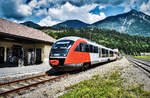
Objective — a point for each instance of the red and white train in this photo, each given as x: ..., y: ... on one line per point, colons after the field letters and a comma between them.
x: 71, y: 53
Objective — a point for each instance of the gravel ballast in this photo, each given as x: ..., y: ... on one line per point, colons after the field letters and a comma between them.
x: 55, y: 89
x: 134, y: 76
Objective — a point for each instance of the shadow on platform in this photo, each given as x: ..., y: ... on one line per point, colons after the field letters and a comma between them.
x: 3, y: 65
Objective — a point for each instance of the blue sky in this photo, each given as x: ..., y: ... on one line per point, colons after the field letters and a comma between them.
x: 109, y: 10
x: 51, y: 12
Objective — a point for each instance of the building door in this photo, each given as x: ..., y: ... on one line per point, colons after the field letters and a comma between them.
x: 38, y: 55
x: 2, y: 52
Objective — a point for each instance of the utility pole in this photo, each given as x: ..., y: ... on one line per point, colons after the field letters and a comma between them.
x: 90, y: 34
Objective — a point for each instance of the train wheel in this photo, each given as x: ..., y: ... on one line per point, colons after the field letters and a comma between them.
x: 108, y: 60
x: 85, y: 66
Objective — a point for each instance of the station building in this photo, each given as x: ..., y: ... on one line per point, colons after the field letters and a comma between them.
x: 21, y: 45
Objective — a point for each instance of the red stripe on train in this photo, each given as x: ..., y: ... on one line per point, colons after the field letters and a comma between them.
x: 76, y: 56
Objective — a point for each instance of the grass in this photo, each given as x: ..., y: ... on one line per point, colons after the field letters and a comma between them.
x: 143, y: 57
x: 105, y: 87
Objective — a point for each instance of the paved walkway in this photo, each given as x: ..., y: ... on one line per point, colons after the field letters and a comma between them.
x: 25, y: 70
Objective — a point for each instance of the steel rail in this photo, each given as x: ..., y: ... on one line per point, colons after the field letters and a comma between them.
x: 32, y: 85
x: 137, y: 63
x: 22, y: 80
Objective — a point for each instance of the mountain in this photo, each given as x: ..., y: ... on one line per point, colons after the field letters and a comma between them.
x: 31, y: 24
x: 71, y: 24
x: 133, y: 23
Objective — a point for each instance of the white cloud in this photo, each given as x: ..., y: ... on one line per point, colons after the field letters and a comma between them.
x: 41, y: 12
x: 33, y: 4
x: 25, y: 10
x: 127, y: 9
x: 102, y: 6
x: 70, y: 12
x: 94, y: 18
x: 145, y: 7
x: 16, y: 9
x: 58, y: 3
x: 17, y: 21
x: 47, y: 21
x: 43, y: 3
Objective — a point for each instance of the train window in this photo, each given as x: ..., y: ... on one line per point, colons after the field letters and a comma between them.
x: 116, y: 53
x: 65, y: 44
x: 107, y: 53
x: 111, y: 53
x: 103, y: 52
x: 78, y: 48
x: 95, y: 49
x: 82, y: 47
x: 91, y: 48
x: 87, y: 48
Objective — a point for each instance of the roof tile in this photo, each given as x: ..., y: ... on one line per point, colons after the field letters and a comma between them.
x: 23, y: 31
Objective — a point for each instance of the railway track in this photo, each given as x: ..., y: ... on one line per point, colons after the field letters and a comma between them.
x: 146, y: 60
x: 20, y: 86
x: 143, y: 64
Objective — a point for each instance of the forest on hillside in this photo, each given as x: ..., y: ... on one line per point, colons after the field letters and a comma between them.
x: 129, y: 45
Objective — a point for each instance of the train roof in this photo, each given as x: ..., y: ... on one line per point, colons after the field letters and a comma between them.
x: 74, y: 38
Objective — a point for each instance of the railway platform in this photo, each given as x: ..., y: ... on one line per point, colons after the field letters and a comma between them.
x: 8, y: 74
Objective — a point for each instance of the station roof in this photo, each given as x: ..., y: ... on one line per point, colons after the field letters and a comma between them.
x: 18, y: 30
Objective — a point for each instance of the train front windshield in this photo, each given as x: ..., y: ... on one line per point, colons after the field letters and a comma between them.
x: 61, y: 48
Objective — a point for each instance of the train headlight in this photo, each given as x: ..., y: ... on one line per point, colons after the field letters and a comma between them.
x: 65, y: 54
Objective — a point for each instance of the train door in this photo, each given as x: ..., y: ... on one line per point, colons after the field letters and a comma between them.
x: 38, y: 55
x: 2, y: 54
